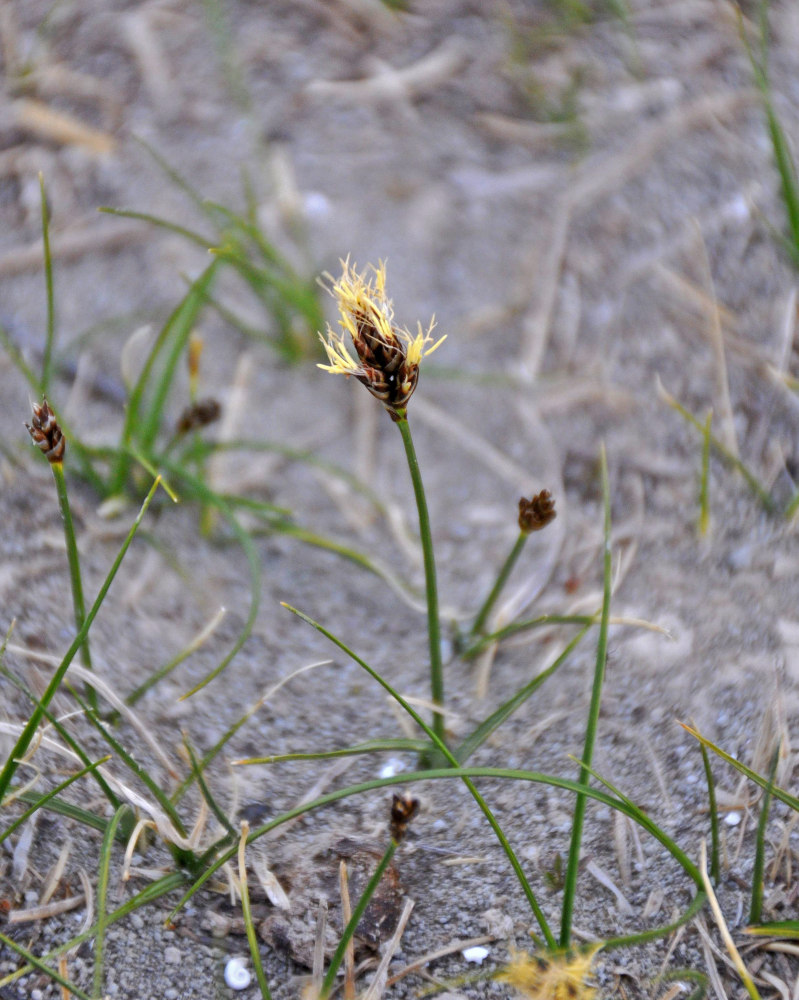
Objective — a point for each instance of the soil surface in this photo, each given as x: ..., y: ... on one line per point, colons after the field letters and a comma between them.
x: 591, y: 209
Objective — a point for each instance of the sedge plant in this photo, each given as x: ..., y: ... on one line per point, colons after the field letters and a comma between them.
x: 387, y: 363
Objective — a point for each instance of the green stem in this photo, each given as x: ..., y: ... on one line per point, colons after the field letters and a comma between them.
x: 47, y: 359
x: 355, y: 919
x: 570, y: 887
x: 78, y: 602
x: 496, y: 590
x: 431, y: 590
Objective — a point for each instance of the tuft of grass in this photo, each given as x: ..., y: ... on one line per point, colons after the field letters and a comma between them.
x: 288, y: 298
x: 758, y: 54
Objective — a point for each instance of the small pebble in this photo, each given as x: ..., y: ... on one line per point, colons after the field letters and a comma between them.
x: 732, y: 818
x: 172, y: 955
x: 237, y: 975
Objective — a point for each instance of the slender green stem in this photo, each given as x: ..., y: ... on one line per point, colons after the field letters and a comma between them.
x: 756, y: 906
x: 246, y: 911
x: 570, y: 887
x: 715, y: 868
x: 27, y: 734
x: 355, y: 919
x: 704, y: 481
x: 78, y: 603
x: 102, y: 901
x: 499, y: 583
x: 431, y: 589
x: 47, y: 359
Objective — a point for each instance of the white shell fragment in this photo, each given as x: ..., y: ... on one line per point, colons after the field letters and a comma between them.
x: 476, y: 955
x: 237, y: 975
x: 733, y: 818
x: 391, y: 767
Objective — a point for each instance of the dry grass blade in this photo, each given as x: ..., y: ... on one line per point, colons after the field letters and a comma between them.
x: 718, y: 916
x: 38, y: 119
x: 346, y: 916
x: 46, y: 911
x: 432, y: 956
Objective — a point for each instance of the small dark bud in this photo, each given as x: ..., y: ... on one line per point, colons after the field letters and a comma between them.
x: 46, y: 433
x: 403, y: 809
x: 536, y: 513
x: 199, y: 414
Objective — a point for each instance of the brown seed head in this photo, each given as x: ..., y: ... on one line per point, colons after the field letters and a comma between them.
x: 46, y: 433
x: 199, y: 414
x: 536, y: 513
x: 403, y: 808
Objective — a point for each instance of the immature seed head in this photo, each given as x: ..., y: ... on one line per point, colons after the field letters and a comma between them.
x: 46, y: 433
x: 537, y: 512
x: 388, y: 356
x: 199, y: 414
x: 403, y: 808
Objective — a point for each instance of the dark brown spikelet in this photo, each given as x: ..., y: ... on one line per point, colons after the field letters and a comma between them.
x: 199, y: 414
x: 403, y: 808
x: 536, y: 513
x: 46, y: 433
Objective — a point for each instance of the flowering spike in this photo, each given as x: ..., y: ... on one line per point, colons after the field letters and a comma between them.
x: 536, y: 513
x: 551, y: 975
x: 46, y: 433
x: 403, y: 808
x: 388, y: 356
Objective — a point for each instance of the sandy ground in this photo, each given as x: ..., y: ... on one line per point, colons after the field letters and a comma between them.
x: 586, y: 211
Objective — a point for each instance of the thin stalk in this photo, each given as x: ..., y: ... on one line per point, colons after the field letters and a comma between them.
x: 246, y: 911
x: 355, y: 919
x: 78, y: 602
x: 704, y: 481
x: 570, y: 887
x: 102, y: 901
x: 431, y: 589
x: 24, y: 740
x: 715, y: 868
x: 499, y: 583
x: 756, y: 906
x: 523, y: 626
x: 47, y: 358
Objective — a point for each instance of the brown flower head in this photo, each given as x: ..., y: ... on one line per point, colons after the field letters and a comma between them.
x: 536, y: 513
x: 403, y: 808
x: 46, y: 433
x: 388, y: 356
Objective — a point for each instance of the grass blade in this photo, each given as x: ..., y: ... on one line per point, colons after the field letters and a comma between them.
x: 715, y: 867
x: 42, y: 800
x: 102, y: 899
x: 570, y: 886
x: 24, y: 740
x: 775, y: 790
x: 756, y: 907
x: 249, y: 926
x: 49, y: 340
x: 623, y: 805
x: 484, y: 730
x: 38, y: 963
